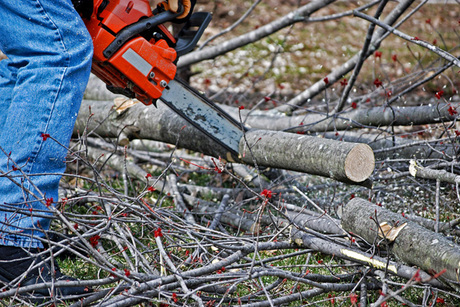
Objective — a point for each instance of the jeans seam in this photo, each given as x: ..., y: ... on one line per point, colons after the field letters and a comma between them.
x: 56, y: 30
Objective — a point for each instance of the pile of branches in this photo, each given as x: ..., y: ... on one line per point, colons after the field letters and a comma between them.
x: 140, y: 227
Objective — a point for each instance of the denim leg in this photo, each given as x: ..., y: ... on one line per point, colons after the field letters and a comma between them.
x: 7, y: 82
x: 42, y: 83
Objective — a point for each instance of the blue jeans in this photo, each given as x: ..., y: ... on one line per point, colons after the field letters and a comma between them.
x: 42, y: 82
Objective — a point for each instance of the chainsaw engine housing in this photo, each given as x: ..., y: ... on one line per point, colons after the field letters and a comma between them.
x: 133, y: 51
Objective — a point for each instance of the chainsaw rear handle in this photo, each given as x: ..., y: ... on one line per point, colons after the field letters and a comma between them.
x: 135, y: 29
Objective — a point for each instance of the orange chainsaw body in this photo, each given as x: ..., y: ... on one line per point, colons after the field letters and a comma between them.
x: 141, y: 66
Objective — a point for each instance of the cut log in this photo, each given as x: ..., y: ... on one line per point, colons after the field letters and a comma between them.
x: 384, y: 146
x: 317, y: 122
x: 339, y: 160
x: 348, y: 162
x: 414, y: 244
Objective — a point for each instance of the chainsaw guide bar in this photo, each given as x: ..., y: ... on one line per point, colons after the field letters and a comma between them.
x: 205, y: 115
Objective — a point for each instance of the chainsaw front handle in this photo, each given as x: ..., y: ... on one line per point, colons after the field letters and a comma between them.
x: 135, y: 29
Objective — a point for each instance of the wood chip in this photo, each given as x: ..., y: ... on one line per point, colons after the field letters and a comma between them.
x: 389, y: 232
x: 123, y: 103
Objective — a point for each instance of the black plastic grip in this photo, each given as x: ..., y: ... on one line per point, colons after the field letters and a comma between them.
x: 136, y: 28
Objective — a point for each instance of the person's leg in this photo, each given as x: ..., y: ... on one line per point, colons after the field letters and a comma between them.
x: 7, y: 82
x: 49, y: 59
x: 41, y: 86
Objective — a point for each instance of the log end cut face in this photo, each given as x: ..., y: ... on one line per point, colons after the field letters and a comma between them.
x: 359, y: 163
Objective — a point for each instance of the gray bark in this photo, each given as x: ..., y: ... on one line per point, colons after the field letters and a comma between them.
x: 415, y: 245
x: 353, y: 254
x: 444, y: 227
x: 361, y: 117
x: 427, y: 173
x: 387, y: 147
x: 384, y: 147
x: 340, y: 160
x: 97, y: 90
x: 144, y: 122
x: 228, y: 217
x: 317, y: 222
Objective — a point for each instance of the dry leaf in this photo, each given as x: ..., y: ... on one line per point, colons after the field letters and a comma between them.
x: 390, y: 232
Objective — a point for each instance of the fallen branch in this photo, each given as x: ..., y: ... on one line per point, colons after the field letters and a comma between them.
x: 443, y: 54
x: 359, y: 118
x: 200, y: 206
x: 339, y: 160
x: 434, y: 174
x: 306, y: 240
x: 414, y: 244
x: 232, y: 44
x: 385, y: 147
x: 341, y: 71
x: 445, y: 227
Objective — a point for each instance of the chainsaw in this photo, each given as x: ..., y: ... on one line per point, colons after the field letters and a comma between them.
x: 136, y: 56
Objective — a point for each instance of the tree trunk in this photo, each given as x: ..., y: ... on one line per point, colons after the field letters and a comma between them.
x: 144, y: 122
x: 384, y: 147
x: 388, y: 147
x: 339, y: 160
x: 414, y: 245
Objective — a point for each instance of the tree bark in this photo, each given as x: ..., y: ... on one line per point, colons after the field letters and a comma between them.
x: 317, y: 222
x: 339, y: 160
x: 97, y: 90
x: 427, y: 173
x: 144, y: 122
x: 359, y: 118
x: 399, y: 148
x: 414, y: 245
x: 329, y: 247
x: 228, y: 217
x: 384, y: 147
